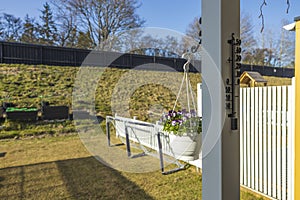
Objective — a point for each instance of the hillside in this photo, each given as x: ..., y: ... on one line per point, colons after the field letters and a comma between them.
x: 28, y: 85
x: 146, y: 93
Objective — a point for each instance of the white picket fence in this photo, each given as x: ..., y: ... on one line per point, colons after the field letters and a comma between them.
x: 267, y: 140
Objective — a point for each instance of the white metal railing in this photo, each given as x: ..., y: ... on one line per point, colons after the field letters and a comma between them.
x: 145, y: 135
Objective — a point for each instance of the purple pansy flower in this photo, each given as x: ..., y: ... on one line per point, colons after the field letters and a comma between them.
x: 188, y: 115
x: 179, y: 121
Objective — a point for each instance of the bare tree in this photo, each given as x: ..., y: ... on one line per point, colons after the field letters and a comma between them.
x: 11, y: 28
x: 286, y: 47
x: 193, y: 36
x: 1, y: 28
x: 130, y: 41
x: 103, y: 18
x: 173, y: 46
x: 67, y: 24
x: 249, y: 44
x: 168, y: 46
x: 193, y: 29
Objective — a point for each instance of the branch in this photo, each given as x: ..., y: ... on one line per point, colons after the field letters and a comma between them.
x: 264, y: 3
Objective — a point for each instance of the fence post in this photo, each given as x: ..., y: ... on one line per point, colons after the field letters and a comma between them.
x: 297, y: 110
x: 1, y: 52
x: 41, y: 55
x: 291, y: 139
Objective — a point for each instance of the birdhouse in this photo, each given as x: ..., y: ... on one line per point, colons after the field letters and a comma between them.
x: 252, y: 79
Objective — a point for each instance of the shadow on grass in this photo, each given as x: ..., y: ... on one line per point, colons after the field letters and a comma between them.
x: 83, y: 178
x: 2, y: 154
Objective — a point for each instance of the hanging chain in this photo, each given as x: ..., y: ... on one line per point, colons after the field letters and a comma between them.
x: 185, y: 79
x: 195, y: 48
x: 288, y: 6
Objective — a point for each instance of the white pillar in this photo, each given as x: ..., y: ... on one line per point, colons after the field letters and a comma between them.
x: 220, y: 149
x: 199, y: 99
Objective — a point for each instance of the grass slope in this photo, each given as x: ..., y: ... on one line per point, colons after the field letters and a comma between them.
x: 141, y: 91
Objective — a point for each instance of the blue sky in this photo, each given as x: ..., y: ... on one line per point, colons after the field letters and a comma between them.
x: 177, y: 14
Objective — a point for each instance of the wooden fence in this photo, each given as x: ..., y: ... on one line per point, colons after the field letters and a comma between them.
x: 13, y: 52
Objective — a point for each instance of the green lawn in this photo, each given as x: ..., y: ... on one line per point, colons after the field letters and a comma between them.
x: 46, y: 160
x: 61, y: 168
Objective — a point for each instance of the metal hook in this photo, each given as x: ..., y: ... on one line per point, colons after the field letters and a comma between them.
x: 186, y: 56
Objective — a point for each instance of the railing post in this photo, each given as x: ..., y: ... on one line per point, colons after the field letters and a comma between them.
x: 127, y: 141
x: 108, y: 130
x: 160, y: 152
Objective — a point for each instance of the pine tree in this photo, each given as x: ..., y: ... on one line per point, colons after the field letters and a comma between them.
x: 30, y: 31
x: 47, y: 30
x: 84, y: 40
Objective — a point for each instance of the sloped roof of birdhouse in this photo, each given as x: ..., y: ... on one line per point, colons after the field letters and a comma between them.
x: 253, y: 76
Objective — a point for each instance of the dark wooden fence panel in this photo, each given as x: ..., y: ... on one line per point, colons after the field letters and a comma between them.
x: 61, y: 56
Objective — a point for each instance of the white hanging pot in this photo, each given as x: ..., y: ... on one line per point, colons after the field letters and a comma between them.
x: 186, y: 147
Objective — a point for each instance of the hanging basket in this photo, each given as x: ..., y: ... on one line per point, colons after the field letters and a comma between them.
x: 186, y: 147
x: 183, y: 128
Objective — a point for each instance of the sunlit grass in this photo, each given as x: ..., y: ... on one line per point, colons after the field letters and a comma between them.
x: 61, y: 167
x: 58, y: 166
x: 276, y: 81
